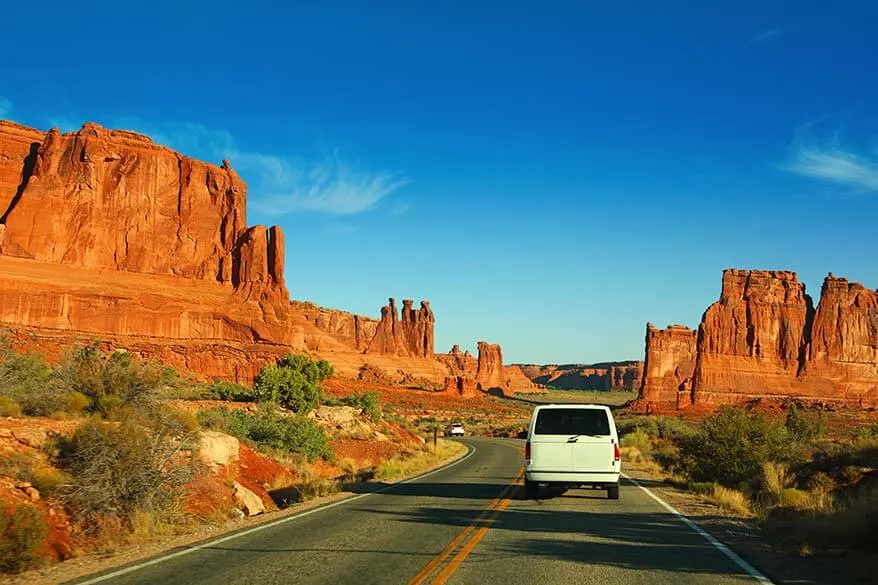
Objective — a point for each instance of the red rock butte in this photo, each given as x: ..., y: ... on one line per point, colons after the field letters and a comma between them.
x: 764, y: 339
x: 107, y: 236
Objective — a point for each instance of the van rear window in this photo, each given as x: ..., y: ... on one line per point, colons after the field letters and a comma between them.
x: 572, y: 421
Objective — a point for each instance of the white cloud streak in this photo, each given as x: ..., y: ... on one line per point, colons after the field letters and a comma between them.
x: 280, y: 185
x: 6, y: 107
x: 836, y: 165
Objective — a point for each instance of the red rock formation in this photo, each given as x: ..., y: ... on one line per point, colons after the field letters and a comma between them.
x: 356, y: 331
x: 489, y: 370
x: 413, y: 336
x: 113, y: 199
x: 669, y: 365
x: 843, y: 349
x: 752, y: 339
x: 105, y: 235
x: 763, y: 339
x: 462, y: 386
x: 460, y: 363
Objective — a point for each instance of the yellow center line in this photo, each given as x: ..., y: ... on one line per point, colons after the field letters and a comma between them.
x: 488, y: 515
x: 461, y: 556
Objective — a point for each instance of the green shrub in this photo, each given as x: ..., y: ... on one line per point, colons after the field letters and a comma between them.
x: 796, y: 424
x: 369, y: 403
x: 122, y: 468
x: 272, y: 430
x: 220, y: 390
x: 294, y: 382
x: 9, y: 407
x: 116, y: 382
x: 23, y: 532
x: 30, y: 381
x: 731, y: 447
x: 639, y: 440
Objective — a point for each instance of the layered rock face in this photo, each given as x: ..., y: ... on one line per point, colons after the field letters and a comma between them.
x: 753, y: 338
x: 489, y: 368
x: 106, y: 236
x: 113, y: 200
x: 764, y: 339
x: 669, y: 365
x: 356, y: 331
x: 601, y: 376
x: 411, y: 336
x: 843, y: 348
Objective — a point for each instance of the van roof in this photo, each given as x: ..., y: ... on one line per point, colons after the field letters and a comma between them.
x: 574, y: 405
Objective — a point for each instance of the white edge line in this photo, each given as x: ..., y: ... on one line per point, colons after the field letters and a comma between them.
x: 161, y: 559
x: 750, y: 569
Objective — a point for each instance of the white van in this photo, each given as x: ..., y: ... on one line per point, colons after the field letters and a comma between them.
x: 572, y: 445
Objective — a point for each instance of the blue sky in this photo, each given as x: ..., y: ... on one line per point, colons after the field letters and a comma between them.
x: 550, y: 175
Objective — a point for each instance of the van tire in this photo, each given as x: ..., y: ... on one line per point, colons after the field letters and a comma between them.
x: 613, y: 492
x: 531, y: 490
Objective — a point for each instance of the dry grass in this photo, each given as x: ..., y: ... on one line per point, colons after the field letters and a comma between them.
x: 776, y: 478
x: 731, y: 500
x: 417, y: 460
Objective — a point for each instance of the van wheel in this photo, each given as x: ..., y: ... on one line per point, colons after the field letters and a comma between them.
x: 531, y: 490
x: 613, y: 492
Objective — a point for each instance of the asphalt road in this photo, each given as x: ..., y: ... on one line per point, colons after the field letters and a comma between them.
x: 465, y: 524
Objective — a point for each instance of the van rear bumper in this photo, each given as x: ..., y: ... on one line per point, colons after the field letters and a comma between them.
x: 572, y: 477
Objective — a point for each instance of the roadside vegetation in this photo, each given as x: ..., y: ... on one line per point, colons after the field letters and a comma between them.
x: 124, y: 470
x: 810, y: 492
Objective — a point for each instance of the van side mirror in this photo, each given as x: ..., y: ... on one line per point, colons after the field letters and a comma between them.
x: 522, y: 435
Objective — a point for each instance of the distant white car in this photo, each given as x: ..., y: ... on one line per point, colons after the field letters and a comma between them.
x: 454, y: 430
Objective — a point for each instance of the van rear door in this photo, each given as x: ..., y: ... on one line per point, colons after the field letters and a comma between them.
x: 573, y: 439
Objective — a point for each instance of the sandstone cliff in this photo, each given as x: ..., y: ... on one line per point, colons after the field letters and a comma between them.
x: 105, y: 235
x: 764, y: 339
x: 489, y: 369
x: 669, y: 365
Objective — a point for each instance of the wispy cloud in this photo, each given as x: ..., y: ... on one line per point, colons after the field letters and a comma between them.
x: 330, y: 185
x: 278, y: 184
x: 6, y: 107
x: 766, y: 35
x: 835, y: 164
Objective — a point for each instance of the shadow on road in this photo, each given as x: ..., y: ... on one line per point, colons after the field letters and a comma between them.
x: 644, y: 541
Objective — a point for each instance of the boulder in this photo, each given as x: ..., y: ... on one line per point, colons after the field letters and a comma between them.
x: 218, y: 449
x: 249, y: 503
x: 32, y: 437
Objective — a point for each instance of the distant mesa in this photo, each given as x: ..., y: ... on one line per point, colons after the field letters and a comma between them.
x: 764, y: 340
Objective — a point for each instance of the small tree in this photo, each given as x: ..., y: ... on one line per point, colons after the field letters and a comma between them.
x: 294, y: 382
x: 796, y: 425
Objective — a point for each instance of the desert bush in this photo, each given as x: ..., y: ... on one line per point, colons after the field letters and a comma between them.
x: 732, y: 446
x: 294, y: 382
x: 114, y: 383
x: 638, y: 439
x: 49, y: 480
x: 220, y: 390
x: 702, y: 487
x: 9, y: 407
x: 730, y: 499
x: 23, y: 532
x: 368, y: 403
x: 657, y: 427
x: 31, y: 382
x: 271, y: 429
x: 775, y: 479
x: 121, y: 468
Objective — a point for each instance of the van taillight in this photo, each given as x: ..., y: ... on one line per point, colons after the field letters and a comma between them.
x: 527, y: 450
x: 617, y: 453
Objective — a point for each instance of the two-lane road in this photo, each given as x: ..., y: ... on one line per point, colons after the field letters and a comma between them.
x: 464, y: 524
